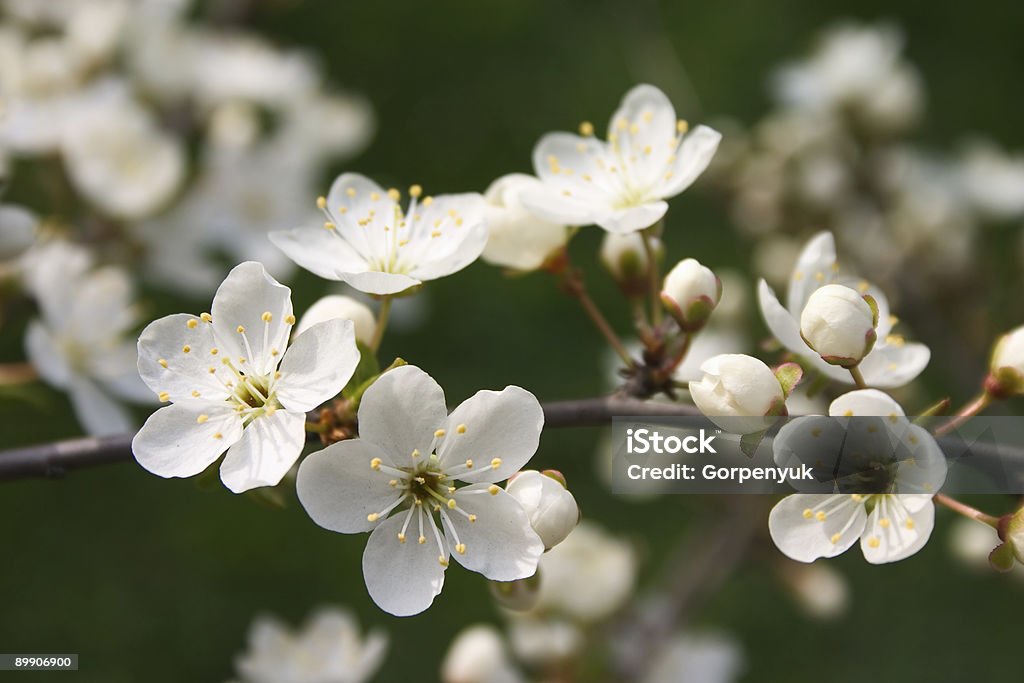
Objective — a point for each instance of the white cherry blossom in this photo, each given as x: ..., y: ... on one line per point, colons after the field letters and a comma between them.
x: 370, y: 243
x: 518, y: 239
x: 622, y: 184
x: 236, y: 384
x: 892, y: 361
x: 892, y: 524
x: 400, y: 481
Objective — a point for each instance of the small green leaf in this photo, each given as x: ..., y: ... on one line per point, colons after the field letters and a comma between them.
x: 750, y: 442
x: 789, y: 375
x: 1002, y: 558
x: 367, y: 369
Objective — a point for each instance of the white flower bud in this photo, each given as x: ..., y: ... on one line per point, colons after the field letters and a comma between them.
x: 839, y: 324
x: 1007, y: 366
x: 626, y: 260
x: 517, y: 239
x: 344, y: 307
x: 551, y: 508
x: 739, y: 393
x: 690, y: 292
x: 477, y: 655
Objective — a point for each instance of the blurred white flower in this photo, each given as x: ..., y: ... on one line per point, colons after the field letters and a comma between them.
x: 551, y: 508
x: 739, y: 393
x: 518, y: 239
x: 327, y: 649
x: 118, y: 157
x: 707, y: 658
x: 343, y: 308
x: 819, y: 590
x: 994, y: 180
x: 620, y: 184
x: 588, y: 576
x: 372, y: 245
x: 891, y: 526
x: 544, y: 640
x: 478, y: 655
x: 18, y: 228
x: 892, y: 361
x: 408, y: 459
x: 326, y: 127
x: 856, y: 68
x: 236, y: 384
x: 80, y: 343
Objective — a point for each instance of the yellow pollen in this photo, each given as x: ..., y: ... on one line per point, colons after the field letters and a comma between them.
x: 372, y: 517
x: 461, y: 429
x: 472, y: 518
x: 451, y: 503
x: 439, y: 433
x: 202, y: 418
x: 461, y: 549
x: 374, y: 196
x: 218, y: 435
x: 469, y: 464
x: 289, y: 319
x: 493, y: 489
x: 682, y: 126
x: 621, y: 124
x: 211, y: 370
x: 186, y: 348
x: 321, y: 203
x: 808, y: 513
x: 393, y: 194
x: 375, y: 464
x: 848, y: 413
x: 874, y: 542
x: 351, y: 192
x: 443, y: 562
x: 401, y: 537
x: 162, y: 362
x: 634, y: 129
x: 884, y: 523
x: 214, y: 351
x: 192, y: 324
x: 266, y: 317
x: 835, y: 538
x: 496, y: 463
x: 586, y: 129
x: 164, y: 396
x: 820, y: 516
x: 435, y: 233
x: 393, y: 482
x: 342, y: 209
x: 857, y: 498
x: 421, y: 540
x: 415, y: 191
x: 206, y: 317
x: 647, y: 149
x: 909, y: 524
x: 427, y: 201
x: 195, y: 394
x: 330, y: 226
x: 647, y: 116
x: 240, y: 329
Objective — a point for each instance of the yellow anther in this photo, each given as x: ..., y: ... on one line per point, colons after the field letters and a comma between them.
x: 415, y: 191
x: 808, y: 513
x: 496, y: 463
x: 586, y: 129
x: 874, y: 542
x: 206, y: 317
x: 435, y: 233
x: 202, y: 418
x: 835, y: 538
x: 375, y: 464
x: 342, y: 209
x: 621, y: 124
x: 402, y: 243
x: 441, y: 559
x: 321, y: 203
x: 427, y: 201
x: 820, y: 515
x: 848, y: 413
x: 567, y: 193
x: 884, y: 523
x: 863, y: 286
x: 909, y: 524
x: 218, y: 435
x: 195, y: 394
x: 330, y: 226
x: 451, y: 503
x: 472, y: 518
x: 211, y: 370
x: 451, y: 489
x: 439, y: 433
x: 493, y: 489
x: 214, y: 351
x: 374, y: 196
x: 394, y: 194
x: 469, y: 463
x: 240, y: 329
x: 421, y: 540
x: 461, y: 548
x: 682, y: 126
x: 164, y: 396
x: 372, y: 517
x: 857, y: 498
x: 162, y: 362
x: 461, y: 429
x: 401, y: 537
x: 351, y: 192
x: 192, y: 323
x: 186, y: 348
x: 267, y: 316
x: 647, y: 149
x: 634, y: 129
x: 647, y: 116
x: 415, y: 452
x: 289, y: 319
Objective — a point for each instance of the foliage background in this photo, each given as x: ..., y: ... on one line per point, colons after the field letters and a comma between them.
x: 158, y: 580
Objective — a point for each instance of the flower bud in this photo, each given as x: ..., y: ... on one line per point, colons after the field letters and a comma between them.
x: 626, y: 260
x: 1007, y: 367
x: 477, y: 655
x: 839, y: 324
x: 517, y: 239
x: 738, y: 393
x: 344, y: 307
x: 690, y: 292
x: 551, y: 508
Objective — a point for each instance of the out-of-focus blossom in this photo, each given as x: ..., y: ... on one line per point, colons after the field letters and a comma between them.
x: 819, y: 590
x: 478, y: 655
x: 518, y: 239
x: 708, y: 658
x: 18, y: 228
x: 994, y: 180
x: 544, y: 641
x: 327, y: 649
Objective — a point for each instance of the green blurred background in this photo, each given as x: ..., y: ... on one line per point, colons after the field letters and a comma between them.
x: 156, y: 580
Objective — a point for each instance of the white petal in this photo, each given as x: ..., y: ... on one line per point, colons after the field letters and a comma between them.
x: 865, y: 402
x: 889, y: 365
x: 502, y: 424
x: 548, y: 203
x: 17, y: 231
x: 267, y: 450
x: 804, y: 537
x: 344, y: 307
x: 318, y: 250
x: 373, y: 282
x: 317, y: 365
x: 173, y: 443
x: 242, y: 299
x: 187, y: 371
x: 97, y: 412
x: 450, y: 234
x: 45, y: 356
x: 401, y: 411
x: 644, y: 128
x: 402, y: 578
x: 694, y: 155
x: 338, y: 488
x: 622, y: 221
x: 516, y: 237
x: 117, y: 369
x: 818, y: 258
x: 500, y: 544
x: 893, y: 532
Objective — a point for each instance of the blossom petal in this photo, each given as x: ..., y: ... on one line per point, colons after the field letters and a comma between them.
x: 242, y: 301
x: 801, y: 533
x: 374, y: 282
x: 622, y: 221
x: 450, y: 234
x: 318, y: 365
x: 503, y: 425
x: 865, y: 402
x: 785, y: 328
x: 402, y: 578
x: 815, y: 267
x: 320, y: 251
x: 338, y: 488
x: 269, y: 447
x: 45, y: 356
x: 644, y: 127
x: 693, y: 157
x: 174, y: 443
x: 500, y: 543
x: 98, y: 412
x: 360, y: 208
x: 401, y: 411
x: 891, y: 365
x: 176, y: 354
x: 897, y: 528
